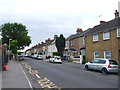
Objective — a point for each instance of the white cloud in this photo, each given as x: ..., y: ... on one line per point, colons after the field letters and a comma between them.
x: 44, y: 18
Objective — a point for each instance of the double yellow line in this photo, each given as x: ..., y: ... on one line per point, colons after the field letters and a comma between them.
x: 44, y: 83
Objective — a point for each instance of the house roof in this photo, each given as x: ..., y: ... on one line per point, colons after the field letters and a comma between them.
x: 105, y: 27
x: 48, y: 42
x: 69, y: 38
x: 80, y: 34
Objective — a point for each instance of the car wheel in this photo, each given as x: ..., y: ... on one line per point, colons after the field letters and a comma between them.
x: 86, y: 67
x: 104, y: 71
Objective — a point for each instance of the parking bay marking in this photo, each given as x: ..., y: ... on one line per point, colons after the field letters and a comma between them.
x: 37, y: 75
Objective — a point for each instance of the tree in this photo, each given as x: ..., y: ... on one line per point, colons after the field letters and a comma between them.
x: 60, y: 44
x: 17, y: 32
x: 14, y: 47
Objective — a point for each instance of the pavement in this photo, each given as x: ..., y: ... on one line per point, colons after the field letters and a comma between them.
x: 15, y: 77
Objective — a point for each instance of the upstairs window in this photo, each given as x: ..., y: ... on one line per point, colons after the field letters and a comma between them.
x: 83, y: 40
x: 106, y: 35
x: 95, y: 37
x: 118, y: 32
x: 72, y: 43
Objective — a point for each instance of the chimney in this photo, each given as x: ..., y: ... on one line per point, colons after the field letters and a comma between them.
x: 102, y: 22
x: 116, y: 14
x: 55, y: 36
x: 48, y: 39
x: 79, y: 30
x: 42, y: 42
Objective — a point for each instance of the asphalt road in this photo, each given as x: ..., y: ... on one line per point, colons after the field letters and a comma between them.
x: 66, y: 75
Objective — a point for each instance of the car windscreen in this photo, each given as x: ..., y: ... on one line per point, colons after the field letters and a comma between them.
x: 112, y: 62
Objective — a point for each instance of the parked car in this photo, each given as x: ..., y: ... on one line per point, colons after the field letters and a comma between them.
x: 20, y: 57
x: 40, y: 57
x: 103, y: 65
x: 34, y: 56
x: 55, y: 59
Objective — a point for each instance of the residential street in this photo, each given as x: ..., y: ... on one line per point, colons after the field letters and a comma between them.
x: 43, y: 74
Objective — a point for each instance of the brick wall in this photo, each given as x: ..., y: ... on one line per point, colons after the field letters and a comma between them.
x: 102, y: 45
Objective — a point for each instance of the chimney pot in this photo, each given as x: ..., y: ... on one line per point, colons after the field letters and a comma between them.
x: 79, y: 30
x: 102, y: 22
x: 116, y: 14
x: 55, y: 36
x: 48, y: 39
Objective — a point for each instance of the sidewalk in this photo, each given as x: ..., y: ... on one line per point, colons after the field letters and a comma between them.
x: 14, y: 77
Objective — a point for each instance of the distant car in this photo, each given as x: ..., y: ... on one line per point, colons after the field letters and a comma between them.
x: 55, y: 59
x: 40, y: 57
x: 34, y: 56
x: 20, y: 57
x: 103, y: 65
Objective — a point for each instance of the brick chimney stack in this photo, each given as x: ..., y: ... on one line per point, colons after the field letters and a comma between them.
x: 42, y: 42
x: 49, y: 39
x: 55, y: 36
x: 116, y: 14
x: 79, y: 30
x: 102, y: 22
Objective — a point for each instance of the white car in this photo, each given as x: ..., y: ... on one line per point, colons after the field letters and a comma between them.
x: 55, y: 59
x: 103, y: 65
x: 40, y: 57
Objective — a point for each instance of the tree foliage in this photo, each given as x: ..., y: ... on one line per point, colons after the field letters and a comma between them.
x: 60, y: 44
x: 13, y: 46
x: 17, y: 32
x: 56, y: 54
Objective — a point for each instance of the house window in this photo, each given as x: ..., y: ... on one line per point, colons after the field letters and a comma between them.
x: 118, y: 32
x: 83, y: 40
x: 96, y: 54
x: 107, y: 54
x: 106, y: 35
x: 72, y: 43
x: 95, y: 37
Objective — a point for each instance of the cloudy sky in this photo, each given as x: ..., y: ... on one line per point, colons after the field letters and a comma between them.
x: 45, y: 18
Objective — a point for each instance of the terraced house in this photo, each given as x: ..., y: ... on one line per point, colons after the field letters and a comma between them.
x: 103, y: 40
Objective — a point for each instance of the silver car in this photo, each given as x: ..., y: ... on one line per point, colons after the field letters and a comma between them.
x: 104, y: 65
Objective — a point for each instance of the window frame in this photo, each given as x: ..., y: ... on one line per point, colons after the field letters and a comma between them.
x: 104, y: 37
x: 95, y: 54
x: 105, y: 54
x: 83, y: 39
x: 118, y: 32
x: 95, y: 37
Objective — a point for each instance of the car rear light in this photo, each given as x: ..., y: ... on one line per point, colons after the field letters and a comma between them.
x: 54, y: 58
x: 109, y: 66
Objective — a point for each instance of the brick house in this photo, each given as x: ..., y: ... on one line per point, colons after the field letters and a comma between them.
x: 103, y: 40
x: 76, y: 45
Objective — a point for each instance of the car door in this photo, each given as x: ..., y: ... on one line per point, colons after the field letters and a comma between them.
x: 93, y: 64
x: 101, y: 64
